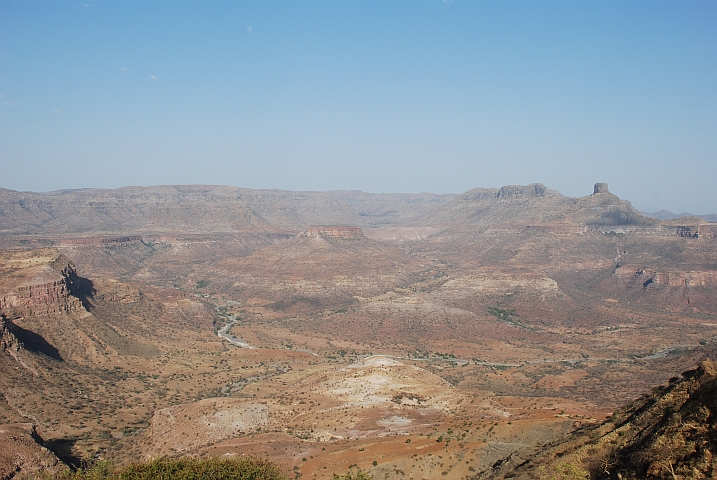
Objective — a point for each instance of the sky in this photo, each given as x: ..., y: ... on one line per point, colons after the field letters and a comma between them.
x: 380, y: 96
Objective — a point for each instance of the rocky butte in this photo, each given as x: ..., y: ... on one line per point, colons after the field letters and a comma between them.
x: 45, y: 289
x: 600, y: 188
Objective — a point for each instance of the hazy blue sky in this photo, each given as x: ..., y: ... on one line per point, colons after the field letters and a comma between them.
x: 390, y: 96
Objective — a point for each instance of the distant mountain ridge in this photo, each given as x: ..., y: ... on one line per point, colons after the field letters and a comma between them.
x: 668, y: 215
x: 223, y: 209
x: 202, y: 208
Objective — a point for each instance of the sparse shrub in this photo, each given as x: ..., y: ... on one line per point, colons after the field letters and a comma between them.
x: 359, y: 474
x: 502, y: 314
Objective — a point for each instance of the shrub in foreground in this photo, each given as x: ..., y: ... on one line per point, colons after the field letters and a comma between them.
x: 244, y: 468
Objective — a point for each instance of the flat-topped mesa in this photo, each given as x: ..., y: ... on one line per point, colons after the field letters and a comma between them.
x: 343, y: 232
x: 600, y: 188
x: 47, y: 292
x: 532, y: 190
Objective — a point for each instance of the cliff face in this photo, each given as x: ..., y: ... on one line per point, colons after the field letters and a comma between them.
x: 42, y: 287
x: 42, y: 299
x: 7, y: 339
x: 649, y: 278
x: 532, y: 190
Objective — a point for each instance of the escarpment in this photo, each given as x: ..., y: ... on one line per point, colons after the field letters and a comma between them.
x: 39, y: 285
x: 651, y: 278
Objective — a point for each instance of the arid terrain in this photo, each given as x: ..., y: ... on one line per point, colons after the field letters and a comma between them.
x: 411, y: 335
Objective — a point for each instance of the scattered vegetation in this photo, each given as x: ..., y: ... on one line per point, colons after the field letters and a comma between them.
x: 502, y: 314
x: 245, y: 468
x: 352, y: 474
x: 203, y: 283
x: 399, y: 396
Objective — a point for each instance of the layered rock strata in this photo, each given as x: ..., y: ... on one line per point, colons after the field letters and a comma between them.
x: 649, y: 277
x: 48, y: 290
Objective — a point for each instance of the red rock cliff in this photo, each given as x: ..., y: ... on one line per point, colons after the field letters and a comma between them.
x: 673, y: 279
x: 43, y: 290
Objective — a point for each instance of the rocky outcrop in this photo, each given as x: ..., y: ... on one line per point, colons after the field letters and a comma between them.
x: 343, y: 232
x: 47, y: 291
x: 702, y: 230
x: 7, y: 339
x: 651, y: 278
x: 600, y: 188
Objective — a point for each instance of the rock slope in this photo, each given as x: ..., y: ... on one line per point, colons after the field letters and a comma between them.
x: 669, y: 433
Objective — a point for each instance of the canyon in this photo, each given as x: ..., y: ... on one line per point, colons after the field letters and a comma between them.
x: 410, y: 335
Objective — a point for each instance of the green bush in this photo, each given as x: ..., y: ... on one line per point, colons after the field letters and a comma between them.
x: 244, y: 468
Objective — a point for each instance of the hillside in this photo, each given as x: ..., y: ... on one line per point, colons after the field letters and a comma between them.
x: 423, y: 336
x: 201, y: 208
x: 669, y: 433
x: 516, y: 205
